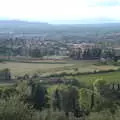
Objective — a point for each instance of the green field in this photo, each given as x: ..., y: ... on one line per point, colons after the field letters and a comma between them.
x: 46, y: 67
x: 53, y: 66
x: 23, y: 68
x: 111, y: 77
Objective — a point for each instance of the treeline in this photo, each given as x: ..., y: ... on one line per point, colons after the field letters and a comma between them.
x: 62, y: 74
x: 95, y: 53
x: 24, y: 51
x: 32, y: 47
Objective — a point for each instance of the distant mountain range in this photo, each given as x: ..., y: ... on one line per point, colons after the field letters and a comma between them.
x: 25, y: 26
x: 59, y: 22
x: 87, y: 21
x: 17, y: 26
x: 20, y: 22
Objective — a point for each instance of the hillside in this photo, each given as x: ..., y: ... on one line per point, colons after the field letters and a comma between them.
x: 74, y: 32
x: 21, y: 26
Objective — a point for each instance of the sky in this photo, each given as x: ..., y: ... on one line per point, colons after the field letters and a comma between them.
x: 60, y: 10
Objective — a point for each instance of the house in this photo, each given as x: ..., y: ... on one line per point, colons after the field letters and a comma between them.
x: 81, y: 48
x: 117, y: 52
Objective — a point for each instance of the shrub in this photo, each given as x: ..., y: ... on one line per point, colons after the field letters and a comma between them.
x: 14, y: 109
x: 50, y: 115
x: 85, y: 98
x: 104, y: 115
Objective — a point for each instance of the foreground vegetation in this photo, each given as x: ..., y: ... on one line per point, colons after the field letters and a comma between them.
x: 28, y: 100
x: 83, y: 90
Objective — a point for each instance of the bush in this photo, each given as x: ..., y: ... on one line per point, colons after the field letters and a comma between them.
x: 14, y: 109
x: 85, y: 98
x: 104, y: 115
x: 9, y: 91
x: 50, y: 115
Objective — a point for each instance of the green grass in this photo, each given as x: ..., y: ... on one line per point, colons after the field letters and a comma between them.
x: 54, y: 66
x: 23, y: 68
x: 46, y: 67
x: 111, y: 77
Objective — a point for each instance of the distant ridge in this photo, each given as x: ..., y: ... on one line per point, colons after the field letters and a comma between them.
x: 19, y: 22
x: 87, y: 21
x: 61, y: 22
x: 19, y: 26
x: 22, y: 26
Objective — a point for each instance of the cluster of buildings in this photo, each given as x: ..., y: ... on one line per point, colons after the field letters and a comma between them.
x: 82, y: 48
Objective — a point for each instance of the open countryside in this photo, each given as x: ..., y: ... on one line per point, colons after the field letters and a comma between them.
x: 60, y: 72
x: 51, y: 66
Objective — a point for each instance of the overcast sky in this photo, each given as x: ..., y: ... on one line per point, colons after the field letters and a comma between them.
x: 51, y: 10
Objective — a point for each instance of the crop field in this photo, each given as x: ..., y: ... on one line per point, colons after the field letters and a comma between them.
x: 22, y: 68
x: 53, y: 66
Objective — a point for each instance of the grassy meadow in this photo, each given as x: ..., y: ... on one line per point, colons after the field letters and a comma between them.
x: 111, y: 77
x: 19, y: 68
x: 53, y: 66
x: 47, y: 67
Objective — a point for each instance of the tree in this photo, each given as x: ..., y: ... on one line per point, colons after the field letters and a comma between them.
x: 115, y: 59
x: 39, y: 96
x: 70, y: 97
x: 36, y: 53
x: 106, y: 91
x: 85, y: 98
x: 100, y: 86
x: 108, y: 53
x: 57, y: 100
x: 89, y: 99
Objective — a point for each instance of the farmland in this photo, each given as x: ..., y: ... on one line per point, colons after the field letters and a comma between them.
x: 20, y: 68
x: 111, y: 77
x: 51, y: 66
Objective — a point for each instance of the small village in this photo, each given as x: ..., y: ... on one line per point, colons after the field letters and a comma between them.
x: 40, y: 48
